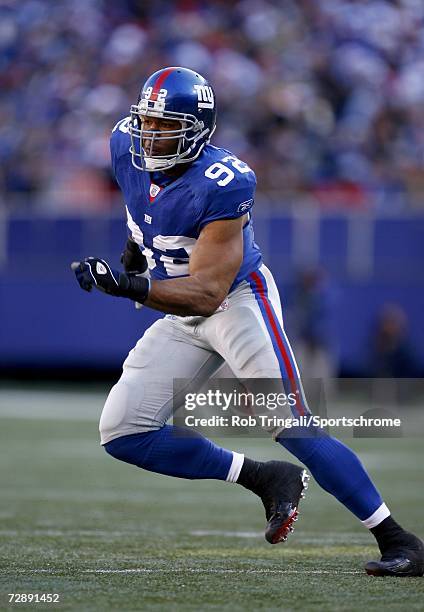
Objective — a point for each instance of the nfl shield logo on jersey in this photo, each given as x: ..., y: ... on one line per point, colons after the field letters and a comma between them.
x: 154, y: 190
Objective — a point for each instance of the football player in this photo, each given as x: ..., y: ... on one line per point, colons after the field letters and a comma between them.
x: 191, y: 254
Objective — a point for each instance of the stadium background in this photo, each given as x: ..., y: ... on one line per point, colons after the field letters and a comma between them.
x: 324, y: 99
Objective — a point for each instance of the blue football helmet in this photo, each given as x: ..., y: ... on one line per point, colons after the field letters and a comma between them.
x: 176, y: 94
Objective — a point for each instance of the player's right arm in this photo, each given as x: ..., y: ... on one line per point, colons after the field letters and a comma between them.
x: 214, y: 263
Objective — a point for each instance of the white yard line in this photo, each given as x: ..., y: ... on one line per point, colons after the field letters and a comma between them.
x: 353, y: 539
x: 335, y: 539
x: 72, y: 533
x: 227, y: 534
x: 192, y: 570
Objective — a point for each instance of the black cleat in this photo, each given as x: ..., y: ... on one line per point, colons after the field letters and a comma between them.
x: 280, y: 485
x: 404, y: 559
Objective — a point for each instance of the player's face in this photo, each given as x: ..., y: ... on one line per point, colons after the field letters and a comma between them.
x: 163, y: 141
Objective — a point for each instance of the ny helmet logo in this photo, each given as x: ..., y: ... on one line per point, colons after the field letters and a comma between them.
x: 205, y: 96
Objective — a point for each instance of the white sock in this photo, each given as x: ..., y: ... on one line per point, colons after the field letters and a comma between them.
x: 235, y: 467
x: 377, y: 517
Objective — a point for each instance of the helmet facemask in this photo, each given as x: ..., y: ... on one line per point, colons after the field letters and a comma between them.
x: 143, y: 140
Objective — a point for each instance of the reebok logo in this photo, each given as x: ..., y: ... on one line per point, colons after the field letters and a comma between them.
x: 100, y: 268
x: 245, y: 206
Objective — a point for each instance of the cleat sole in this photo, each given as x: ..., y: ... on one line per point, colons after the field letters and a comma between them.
x: 282, y: 533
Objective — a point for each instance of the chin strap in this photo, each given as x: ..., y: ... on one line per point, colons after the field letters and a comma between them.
x: 153, y: 164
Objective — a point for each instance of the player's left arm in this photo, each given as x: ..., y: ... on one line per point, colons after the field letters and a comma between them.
x: 214, y: 263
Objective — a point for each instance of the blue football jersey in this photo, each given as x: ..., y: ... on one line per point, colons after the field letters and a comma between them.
x: 165, y: 216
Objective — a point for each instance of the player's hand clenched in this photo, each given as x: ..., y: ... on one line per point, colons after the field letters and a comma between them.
x: 133, y: 259
x: 95, y: 272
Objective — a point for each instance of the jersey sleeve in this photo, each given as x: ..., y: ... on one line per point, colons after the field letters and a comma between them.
x: 119, y: 143
x: 113, y: 143
x: 229, y: 202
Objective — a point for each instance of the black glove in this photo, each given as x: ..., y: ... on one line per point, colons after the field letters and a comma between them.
x: 95, y: 272
x: 132, y: 258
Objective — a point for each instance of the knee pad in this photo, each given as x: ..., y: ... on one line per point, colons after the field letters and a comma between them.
x: 116, y: 411
x: 138, y: 403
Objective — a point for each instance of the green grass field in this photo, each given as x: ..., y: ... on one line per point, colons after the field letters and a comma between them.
x: 108, y: 536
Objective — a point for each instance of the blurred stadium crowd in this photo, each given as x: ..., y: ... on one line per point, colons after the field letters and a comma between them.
x: 323, y: 98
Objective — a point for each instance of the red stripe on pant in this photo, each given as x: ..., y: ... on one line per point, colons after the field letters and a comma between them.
x: 275, y: 328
